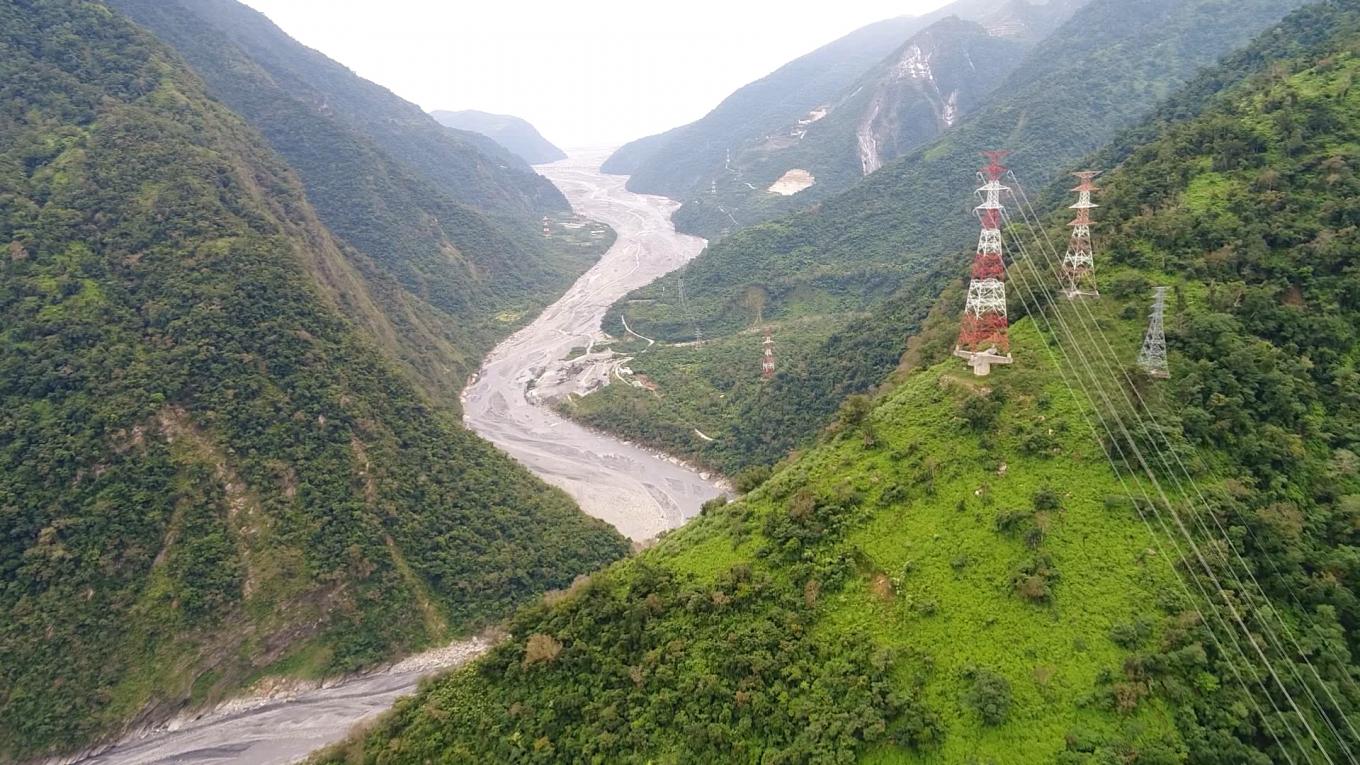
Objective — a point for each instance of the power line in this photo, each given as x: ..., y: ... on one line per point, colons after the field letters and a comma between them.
x: 1264, y: 602
x: 1117, y: 445
x: 1049, y: 254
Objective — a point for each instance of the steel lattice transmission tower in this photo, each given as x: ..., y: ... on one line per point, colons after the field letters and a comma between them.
x: 983, y: 339
x: 1079, y: 264
x: 767, y: 363
x: 1153, y: 356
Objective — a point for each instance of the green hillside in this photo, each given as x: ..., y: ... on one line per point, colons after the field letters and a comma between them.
x: 514, y: 134
x: 207, y: 473
x: 837, y: 113
x: 956, y: 574
x: 887, y: 246
x: 454, y: 279
x: 469, y: 167
x: 678, y: 162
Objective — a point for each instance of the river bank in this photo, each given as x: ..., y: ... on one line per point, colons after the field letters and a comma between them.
x: 641, y: 492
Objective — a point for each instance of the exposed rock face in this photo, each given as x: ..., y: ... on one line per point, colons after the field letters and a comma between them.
x: 937, y: 76
x: 792, y: 182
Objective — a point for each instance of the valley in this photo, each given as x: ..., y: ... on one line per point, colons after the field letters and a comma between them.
x: 339, y: 429
x: 640, y: 492
x: 633, y: 488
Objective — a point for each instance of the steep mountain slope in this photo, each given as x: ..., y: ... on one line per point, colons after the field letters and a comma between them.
x: 866, y: 264
x: 514, y: 134
x: 468, y: 167
x: 781, y: 144
x: 207, y: 474
x: 628, y: 158
x: 457, y: 279
x: 956, y: 573
x: 923, y: 89
x: 679, y: 161
x: 919, y: 91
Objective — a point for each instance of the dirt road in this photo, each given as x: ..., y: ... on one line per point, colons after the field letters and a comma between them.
x: 640, y: 492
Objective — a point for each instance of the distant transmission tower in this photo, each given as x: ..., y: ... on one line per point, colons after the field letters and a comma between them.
x: 767, y: 363
x: 983, y: 339
x: 1153, y: 356
x: 1079, y: 265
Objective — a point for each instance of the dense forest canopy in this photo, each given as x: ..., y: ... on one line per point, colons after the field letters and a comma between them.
x: 207, y: 472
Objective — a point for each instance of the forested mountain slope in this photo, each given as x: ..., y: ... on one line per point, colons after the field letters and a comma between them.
x: 514, y: 134
x: 208, y: 474
x: 677, y: 162
x: 843, y: 283
x: 866, y: 104
x: 467, y: 166
x: 924, y: 88
x: 455, y: 279
x: 956, y: 573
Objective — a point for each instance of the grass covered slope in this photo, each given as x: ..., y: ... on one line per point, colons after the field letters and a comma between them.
x: 929, y: 585
x: 889, y: 245
x: 207, y: 474
x: 956, y: 574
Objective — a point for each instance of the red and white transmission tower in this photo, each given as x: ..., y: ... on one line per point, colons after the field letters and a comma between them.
x: 767, y: 364
x: 1079, y: 264
x: 983, y: 339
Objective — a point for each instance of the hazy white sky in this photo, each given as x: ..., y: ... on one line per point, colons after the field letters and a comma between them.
x: 586, y: 73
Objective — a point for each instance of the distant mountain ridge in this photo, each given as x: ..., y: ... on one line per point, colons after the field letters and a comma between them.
x: 517, y: 135
x: 676, y: 162
x: 922, y: 89
x: 470, y: 167
x: 846, y: 282
x: 447, y: 221
x: 897, y: 85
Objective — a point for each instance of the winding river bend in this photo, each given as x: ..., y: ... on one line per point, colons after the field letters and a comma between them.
x: 640, y: 492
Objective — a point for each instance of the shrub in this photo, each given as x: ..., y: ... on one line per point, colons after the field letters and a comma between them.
x: 1034, y: 580
x: 541, y: 649
x: 1130, y: 634
x: 748, y: 479
x: 1046, y: 499
x: 989, y: 694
